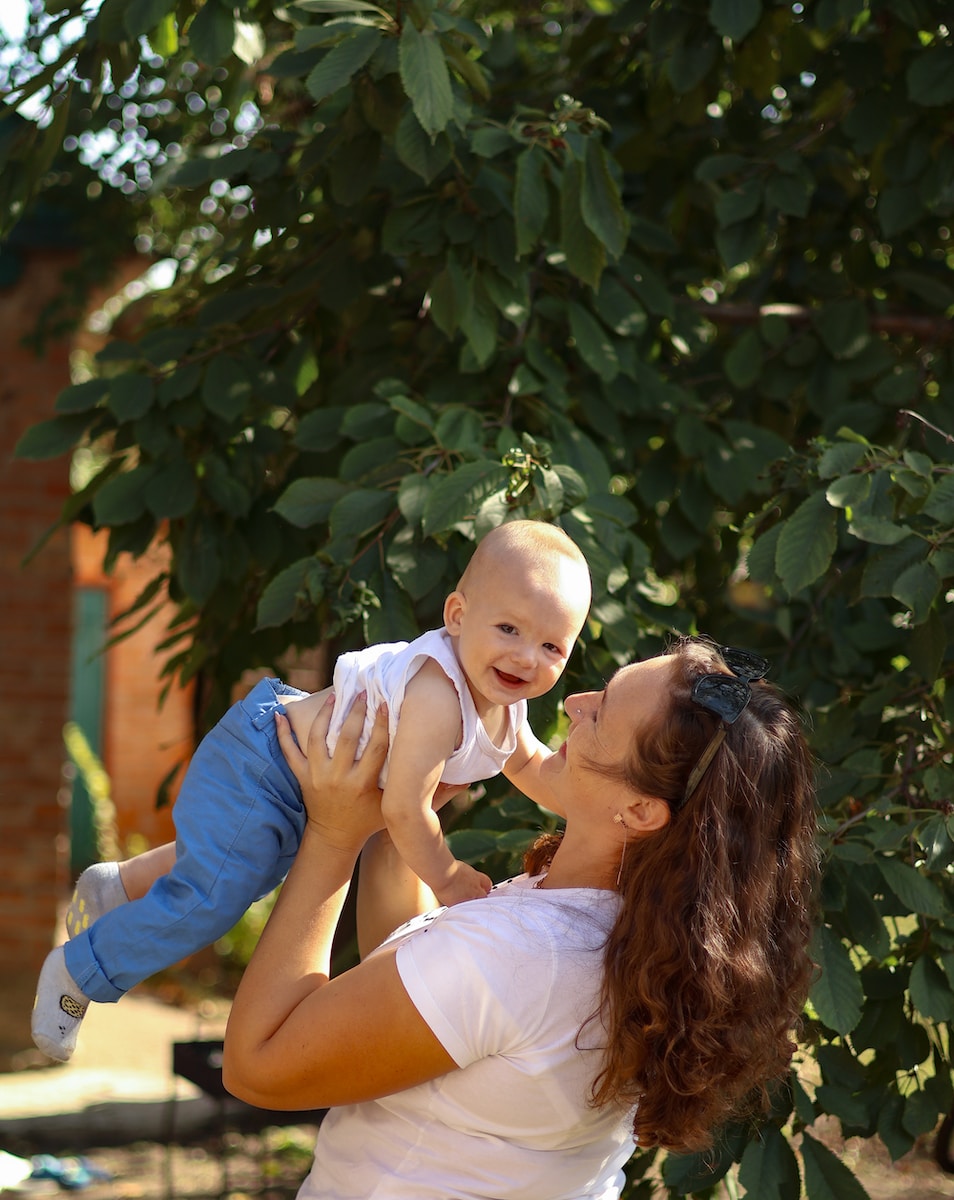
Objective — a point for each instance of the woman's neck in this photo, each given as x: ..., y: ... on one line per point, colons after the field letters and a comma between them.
x: 577, y: 863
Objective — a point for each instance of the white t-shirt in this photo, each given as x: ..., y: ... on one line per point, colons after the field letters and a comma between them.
x: 506, y: 984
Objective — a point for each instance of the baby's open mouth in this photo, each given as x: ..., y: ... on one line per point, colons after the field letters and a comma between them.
x: 511, y: 680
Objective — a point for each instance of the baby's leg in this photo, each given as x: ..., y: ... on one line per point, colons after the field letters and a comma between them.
x: 104, y: 886
x: 239, y: 820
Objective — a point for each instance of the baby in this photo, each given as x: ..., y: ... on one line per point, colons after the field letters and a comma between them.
x: 457, y: 703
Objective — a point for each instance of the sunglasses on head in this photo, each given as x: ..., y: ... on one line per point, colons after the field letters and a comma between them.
x: 726, y: 696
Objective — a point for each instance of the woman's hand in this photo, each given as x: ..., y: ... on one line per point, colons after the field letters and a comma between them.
x: 340, y: 792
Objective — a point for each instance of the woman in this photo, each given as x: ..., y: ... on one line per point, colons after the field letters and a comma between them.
x: 640, y: 983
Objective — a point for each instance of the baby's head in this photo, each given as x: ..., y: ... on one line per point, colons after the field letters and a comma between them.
x: 518, y: 610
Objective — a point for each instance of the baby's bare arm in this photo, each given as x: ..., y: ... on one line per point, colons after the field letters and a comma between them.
x: 523, y: 766
x: 429, y: 730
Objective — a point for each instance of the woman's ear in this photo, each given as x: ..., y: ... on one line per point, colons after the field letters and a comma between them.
x: 647, y: 814
x: 454, y: 607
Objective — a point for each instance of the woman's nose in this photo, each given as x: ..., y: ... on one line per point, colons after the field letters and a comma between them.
x: 578, y: 704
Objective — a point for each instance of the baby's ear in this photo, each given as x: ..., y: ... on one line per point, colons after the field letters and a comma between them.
x: 454, y: 607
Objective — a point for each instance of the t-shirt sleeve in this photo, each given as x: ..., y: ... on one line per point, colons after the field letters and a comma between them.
x: 480, y: 978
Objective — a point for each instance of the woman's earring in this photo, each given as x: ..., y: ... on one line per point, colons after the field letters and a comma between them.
x: 618, y: 819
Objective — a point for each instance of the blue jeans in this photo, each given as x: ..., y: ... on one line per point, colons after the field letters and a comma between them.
x: 239, y: 821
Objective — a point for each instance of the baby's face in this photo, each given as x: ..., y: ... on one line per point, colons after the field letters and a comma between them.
x: 516, y: 629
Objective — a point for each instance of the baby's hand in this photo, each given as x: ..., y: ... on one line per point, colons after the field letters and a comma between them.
x: 464, y: 884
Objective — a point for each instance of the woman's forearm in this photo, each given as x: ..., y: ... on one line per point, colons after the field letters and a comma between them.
x: 292, y: 959
x: 389, y: 893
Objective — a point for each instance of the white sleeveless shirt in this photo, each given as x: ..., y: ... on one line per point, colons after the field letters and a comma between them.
x: 383, y: 672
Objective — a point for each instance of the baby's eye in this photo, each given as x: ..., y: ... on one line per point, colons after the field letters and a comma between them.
x: 507, y: 628
x: 553, y: 649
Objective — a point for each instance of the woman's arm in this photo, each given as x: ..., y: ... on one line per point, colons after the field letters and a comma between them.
x: 389, y: 893
x: 295, y: 1038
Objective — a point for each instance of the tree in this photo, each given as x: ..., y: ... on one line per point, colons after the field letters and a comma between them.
x: 673, y: 274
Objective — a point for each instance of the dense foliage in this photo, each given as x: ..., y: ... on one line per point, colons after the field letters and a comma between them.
x: 677, y: 275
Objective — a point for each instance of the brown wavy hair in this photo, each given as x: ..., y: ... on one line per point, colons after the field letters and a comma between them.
x: 707, y: 966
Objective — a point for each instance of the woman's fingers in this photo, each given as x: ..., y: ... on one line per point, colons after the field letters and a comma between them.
x: 316, y: 742
x: 376, y: 751
x: 290, y: 748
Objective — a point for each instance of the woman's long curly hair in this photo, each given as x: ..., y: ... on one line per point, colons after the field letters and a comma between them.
x: 707, y: 966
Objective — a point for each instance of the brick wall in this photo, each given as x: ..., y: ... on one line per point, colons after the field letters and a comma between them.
x: 35, y: 614
x: 142, y: 742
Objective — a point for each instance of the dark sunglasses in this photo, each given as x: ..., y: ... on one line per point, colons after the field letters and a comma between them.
x: 727, y: 697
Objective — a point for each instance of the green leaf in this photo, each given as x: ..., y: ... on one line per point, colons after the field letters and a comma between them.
x: 172, y: 490
x: 142, y: 16
x: 459, y: 429
x: 717, y: 166
x: 739, y: 243
x: 226, y: 388
x: 339, y: 7
x: 585, y: 253
x: 425, y: 77
x: 843, y: 327
x: 917, y: 588
x: 734, y: 18
x: 600, y: 201
x: 940, y: 503
x: 425, y: 156
x: 914, y: 890
x: 826, y: 1176
x: 927, y: 645
x: 82, y: 397
x: 739, y: 203
x: 593, y: 343
x: 930, y: 76
x: 743, y: 362
x: 884, y: 567
x: 760, y: 561
x: 479, y: 323
x: 121, y: 499
x: 472, y: 845
x: 806, y: 544
x: 769, y: 1167
x: 130, y: 395
x: 849, y: 491
x: 211, y: 33
x: 50, y: 439
x: 899, y: 206
x: 199, y: 561
x: 839, y: 459
x: 837, y: 994
x: 930, y: 991
x: 307, y: 502
x: 359, y: 511
x: 531, y: 200
x: 877, y: 530
x: 417, y: 566
x: 456, y: 498
x: 342, y: 62
x: 393, y: 619
x: 689, y: 62
x: 279, y: 602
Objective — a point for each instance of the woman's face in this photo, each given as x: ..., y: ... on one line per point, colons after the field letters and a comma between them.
x: 603, y: 728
